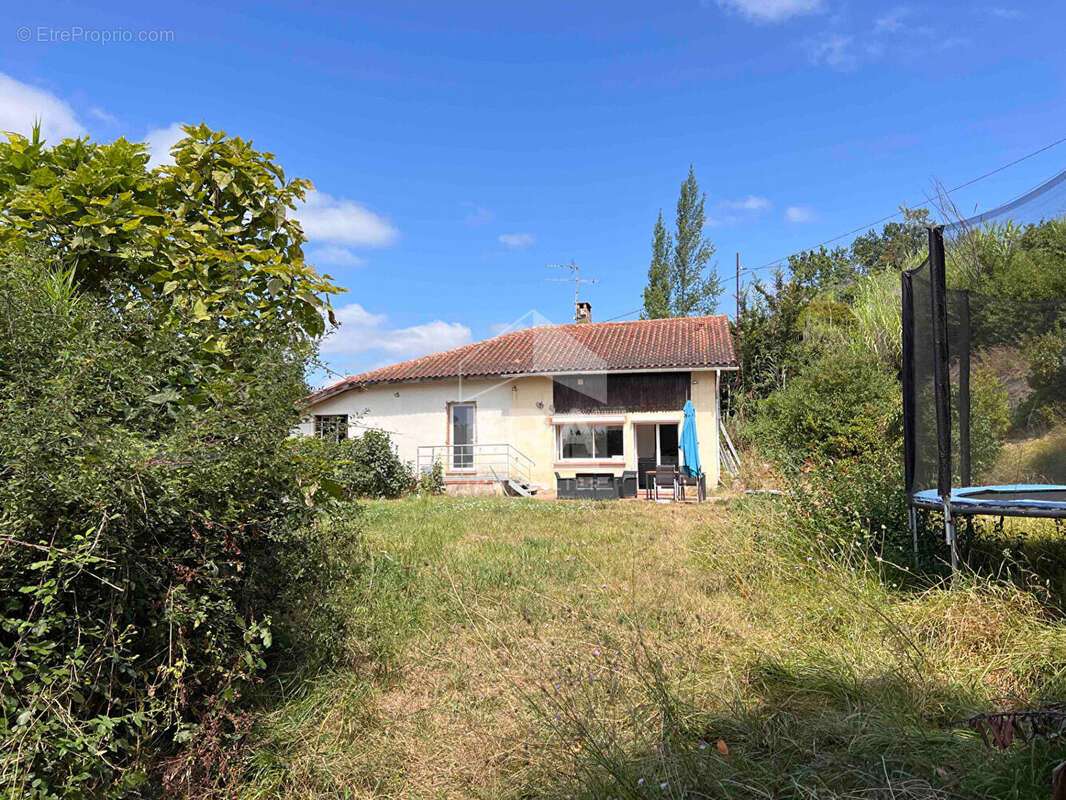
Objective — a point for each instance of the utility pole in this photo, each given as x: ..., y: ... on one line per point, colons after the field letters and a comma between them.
x: 737, y: 287
x: 575, y: 270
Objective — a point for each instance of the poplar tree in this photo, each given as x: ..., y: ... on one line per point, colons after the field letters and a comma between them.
x: 682, y: 282
x: 657, y: 292
x: 695, y: 286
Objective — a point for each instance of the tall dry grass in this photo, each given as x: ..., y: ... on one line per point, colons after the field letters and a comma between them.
x: 525, y: 649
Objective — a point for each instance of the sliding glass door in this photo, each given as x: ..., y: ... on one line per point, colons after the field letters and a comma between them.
x: 656, y: 446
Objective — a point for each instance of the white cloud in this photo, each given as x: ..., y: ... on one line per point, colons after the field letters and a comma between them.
x: 834, y: 50
x: 477, y: 215
x: 772, y: 10
x: 21, y: 105
x: 343, y: 222
x: 892, y: 21
x: 752, y: 203
x: 104, y: 116
x: 362, y: 331
x: 800, y: 214
x: 160, y: 140
x: 735, y: 212
x: 332, y: 254
x: 516, y: 241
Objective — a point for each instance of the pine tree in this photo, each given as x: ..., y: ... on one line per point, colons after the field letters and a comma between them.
x: 695, y: 288
x: 657, y: 292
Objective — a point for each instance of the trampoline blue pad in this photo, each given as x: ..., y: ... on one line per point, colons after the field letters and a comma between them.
x: 1018, y: 499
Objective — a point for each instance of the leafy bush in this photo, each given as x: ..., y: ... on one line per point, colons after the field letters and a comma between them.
x: 842, y: 405
x: 207, y: 237
x: 989, y: 421
x: 360, y: 466
x: 432, y: 482
x: 150, y: 542
x: 1047, y: 358
x: 157, y: 539
x: 371, y: 467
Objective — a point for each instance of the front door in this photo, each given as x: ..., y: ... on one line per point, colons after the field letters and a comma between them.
x: 462, y: 435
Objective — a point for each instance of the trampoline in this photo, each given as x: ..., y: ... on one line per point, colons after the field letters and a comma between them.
x: 967, y: 352
x: 1010, y: 500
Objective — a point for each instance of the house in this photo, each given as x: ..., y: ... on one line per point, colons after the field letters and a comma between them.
x: 569, y: 399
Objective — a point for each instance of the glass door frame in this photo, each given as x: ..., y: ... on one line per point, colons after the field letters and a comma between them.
x: 658, y: 426
x: 461, y: 461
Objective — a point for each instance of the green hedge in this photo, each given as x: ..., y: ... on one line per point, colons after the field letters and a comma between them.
x: 155, y: 543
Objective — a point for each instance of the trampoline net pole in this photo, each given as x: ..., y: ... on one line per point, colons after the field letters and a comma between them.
x: 964, y: 389
x: 910, y: 403
x: 941, y: 374
x: 951, y: 539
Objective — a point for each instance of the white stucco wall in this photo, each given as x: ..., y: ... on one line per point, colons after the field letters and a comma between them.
x: 416, y: 414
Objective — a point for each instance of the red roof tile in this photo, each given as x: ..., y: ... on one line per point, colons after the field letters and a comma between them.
x: 682, y: 342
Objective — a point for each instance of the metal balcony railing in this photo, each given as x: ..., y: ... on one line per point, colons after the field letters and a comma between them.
x: 464, y: 461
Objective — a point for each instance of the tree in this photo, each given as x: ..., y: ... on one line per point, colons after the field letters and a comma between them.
x: 680, y: 281
x: 894, y: 244
x: 207, y: 235
x: 159, y: 531
x: 657, y: 292
x: 695, y: 288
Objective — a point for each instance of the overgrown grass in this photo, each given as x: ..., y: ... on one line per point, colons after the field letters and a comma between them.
x: 1036, y: 460
x: 525, y: 649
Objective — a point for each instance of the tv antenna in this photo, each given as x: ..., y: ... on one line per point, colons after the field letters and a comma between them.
x: 576, y: 277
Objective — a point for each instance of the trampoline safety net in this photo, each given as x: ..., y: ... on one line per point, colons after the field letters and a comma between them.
x: 984, y: 372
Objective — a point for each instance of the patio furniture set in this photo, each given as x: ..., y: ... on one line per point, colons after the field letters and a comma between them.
x: 607, y: 486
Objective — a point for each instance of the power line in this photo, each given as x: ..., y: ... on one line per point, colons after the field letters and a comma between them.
x: 971, y: 182
x: 627, y: 314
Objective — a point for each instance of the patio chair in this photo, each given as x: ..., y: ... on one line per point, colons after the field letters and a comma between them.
x: 684, y: 479
x: 666, y: 476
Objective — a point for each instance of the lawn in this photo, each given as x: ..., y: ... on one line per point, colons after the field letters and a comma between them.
x: 510, y: 648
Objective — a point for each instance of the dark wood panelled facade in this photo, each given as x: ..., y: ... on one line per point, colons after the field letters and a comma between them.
x: 620, y: 392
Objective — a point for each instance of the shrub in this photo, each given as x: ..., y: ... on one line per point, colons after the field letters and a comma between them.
x: 432, y: 482
x: 842, y: 405
x: 370, y: 466
x: 853, y: 501
x: 1047, y: 357
x: 152, y: 534
x: 361, y: 466
x: 989, y: 421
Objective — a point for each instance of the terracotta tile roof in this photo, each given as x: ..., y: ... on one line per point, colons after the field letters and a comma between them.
x: 683, y: 342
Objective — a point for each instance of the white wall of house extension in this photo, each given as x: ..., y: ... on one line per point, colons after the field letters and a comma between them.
x: 415, y: 414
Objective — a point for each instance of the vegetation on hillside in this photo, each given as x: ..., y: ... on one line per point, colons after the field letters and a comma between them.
x: 819, y: 391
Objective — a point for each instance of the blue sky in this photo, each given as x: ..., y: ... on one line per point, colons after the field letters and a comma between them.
x: 459, y: 148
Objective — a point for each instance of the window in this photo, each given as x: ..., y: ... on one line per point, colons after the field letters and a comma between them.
x: 590, y: 441
x: 331, y: 426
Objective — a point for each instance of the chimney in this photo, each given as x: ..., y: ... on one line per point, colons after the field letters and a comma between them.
x: 583, y: 313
